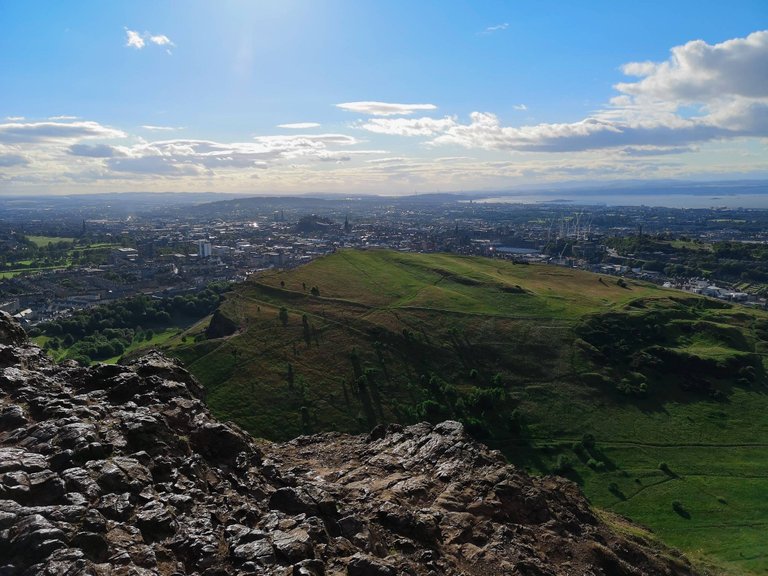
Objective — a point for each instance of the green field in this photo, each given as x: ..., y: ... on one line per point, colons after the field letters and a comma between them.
x: 45, y: 240
x: 531, y: 358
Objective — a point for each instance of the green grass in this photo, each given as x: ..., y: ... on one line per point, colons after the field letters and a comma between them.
x: 557, y: 343
x: 17, y: 271
x: 156, y: 340
x: 46, y: 240
x: 691, y: 245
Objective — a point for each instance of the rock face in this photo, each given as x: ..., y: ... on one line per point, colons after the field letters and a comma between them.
x: 121, y: 470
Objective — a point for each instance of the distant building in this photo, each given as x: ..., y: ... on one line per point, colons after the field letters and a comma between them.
x: 203, y: 249
x: 121, y: 255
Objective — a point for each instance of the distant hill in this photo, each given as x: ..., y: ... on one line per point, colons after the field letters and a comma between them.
x: 654, y: 400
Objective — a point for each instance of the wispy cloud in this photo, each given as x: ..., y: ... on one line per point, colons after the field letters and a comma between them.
x: 30, y: 132
x: 408, y: 126
x: 521, y: 107
x: 153, y: 128
x: 160, y: 40
x: 61, y: 117
x: 299, y: 125
x: 133, y: 39
x: 138, y: 40
x: 384, y: 108
x: 496, y: 28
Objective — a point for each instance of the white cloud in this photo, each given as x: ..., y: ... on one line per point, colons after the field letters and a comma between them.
x: 299, y: 125
x: 153, y: 165
x: 384, y: 108
x: 700, y: 72
x: 702, y: 93
x: 177, y: 158
x: 656, y: 150
x: 391, y: 160
x: 496, y: 28
x: 153, y: 128
x: 486, y: 132
x: 14, y: 118
x: 29, y: 132
x: 408, y: 126
x: 161, y: 40
x: 61, y: 117
x: 138, y: 40
x: 521, y: 107
x: 133, y: 39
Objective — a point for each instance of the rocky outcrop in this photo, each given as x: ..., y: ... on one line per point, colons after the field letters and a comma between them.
x: 121, y: 470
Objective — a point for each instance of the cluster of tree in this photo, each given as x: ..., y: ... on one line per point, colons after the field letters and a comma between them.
x: 100, y: 345
x: 726, y: 261
x: 106, y: 331
x: 24, y: 253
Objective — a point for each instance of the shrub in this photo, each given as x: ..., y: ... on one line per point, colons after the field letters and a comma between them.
x: 678, y: 507
x: 563, y: 464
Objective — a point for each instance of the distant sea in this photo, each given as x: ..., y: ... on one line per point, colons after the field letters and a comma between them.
x: 669, y: 200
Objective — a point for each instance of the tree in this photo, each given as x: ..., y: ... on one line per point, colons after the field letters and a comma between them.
x: 307, y: 330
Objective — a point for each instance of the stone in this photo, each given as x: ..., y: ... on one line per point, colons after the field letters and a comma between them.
x: 366, y: 565
x: 294, y: 545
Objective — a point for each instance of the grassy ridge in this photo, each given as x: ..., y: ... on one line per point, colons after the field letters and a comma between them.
x: 532, y: 359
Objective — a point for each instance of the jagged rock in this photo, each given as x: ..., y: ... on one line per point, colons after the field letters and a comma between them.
x: 121, y: 470
x: 365, y: 565
x: 11, y: 334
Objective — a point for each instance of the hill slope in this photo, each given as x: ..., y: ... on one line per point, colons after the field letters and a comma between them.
x: 117, y: 470
x: 653, y: 400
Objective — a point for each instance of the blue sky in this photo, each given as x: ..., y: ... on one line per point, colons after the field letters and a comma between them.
x: 378, y: 97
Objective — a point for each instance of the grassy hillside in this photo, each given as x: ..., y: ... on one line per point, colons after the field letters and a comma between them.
x: 653, y: 400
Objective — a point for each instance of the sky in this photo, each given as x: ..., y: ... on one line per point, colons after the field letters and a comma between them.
x: 385, y: 97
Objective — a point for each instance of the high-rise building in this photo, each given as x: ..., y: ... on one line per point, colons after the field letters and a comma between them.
x: 203, y: 249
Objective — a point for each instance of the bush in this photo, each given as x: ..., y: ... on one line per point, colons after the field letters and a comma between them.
x: 562, y: 465
x: 614, y: 489
x: 678, y: 507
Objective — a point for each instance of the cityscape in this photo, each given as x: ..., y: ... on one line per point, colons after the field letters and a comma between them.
x: 99, y: 260
x: 383, y: 288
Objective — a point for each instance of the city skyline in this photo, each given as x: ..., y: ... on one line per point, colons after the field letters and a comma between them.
x: 301, y: 97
